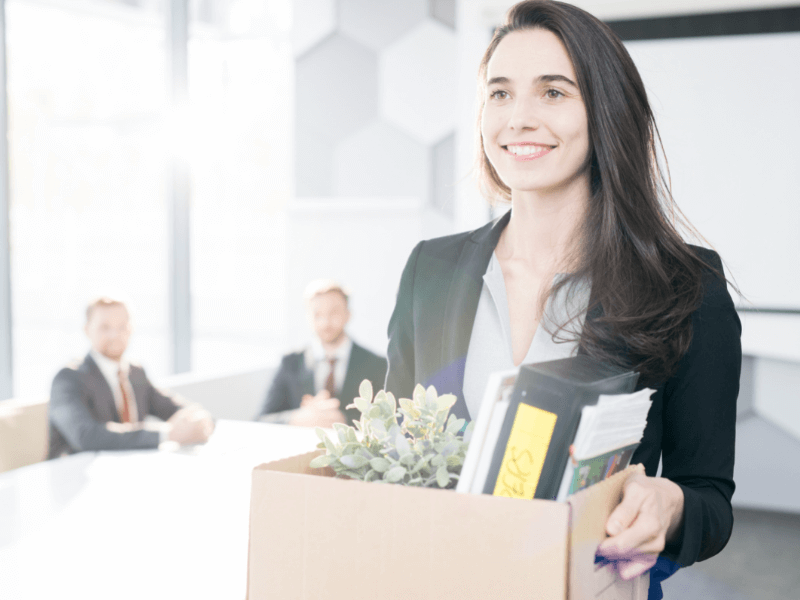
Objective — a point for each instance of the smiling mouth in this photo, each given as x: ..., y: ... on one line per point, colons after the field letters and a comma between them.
x: 527, y: 151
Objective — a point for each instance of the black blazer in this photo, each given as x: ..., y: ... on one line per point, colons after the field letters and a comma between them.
x: 295, y: 378
x: 81, y: 403
x: 691, y: 425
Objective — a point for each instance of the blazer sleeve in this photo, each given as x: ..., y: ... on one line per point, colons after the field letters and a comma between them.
x: 70, y: 414
x: 400, y: 372
x: 378, y: 376
x: 160, y: 404
x: 279, y: 394
x: 700, y: 424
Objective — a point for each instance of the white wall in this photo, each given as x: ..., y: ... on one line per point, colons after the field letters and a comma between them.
x: 727, y: 109
x: 767, y: 471
x: 363, y: 244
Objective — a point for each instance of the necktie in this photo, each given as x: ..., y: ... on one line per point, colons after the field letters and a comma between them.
x: 127, y: 412
x: 330, y: 382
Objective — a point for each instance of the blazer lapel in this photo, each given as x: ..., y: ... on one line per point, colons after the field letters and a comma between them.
x: 350, y: 385
x: 140, y: 390
x: 105, y: 403
x: 462, y: 305
x: 306, y: 375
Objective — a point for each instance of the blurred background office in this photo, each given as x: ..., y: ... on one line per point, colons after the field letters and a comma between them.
x: 205, y: 159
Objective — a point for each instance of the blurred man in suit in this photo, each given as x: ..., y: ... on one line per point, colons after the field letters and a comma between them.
x: 100, y: 403
x: 313, y: 386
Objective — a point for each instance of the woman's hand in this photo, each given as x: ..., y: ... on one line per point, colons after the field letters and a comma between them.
x: 650, y: 515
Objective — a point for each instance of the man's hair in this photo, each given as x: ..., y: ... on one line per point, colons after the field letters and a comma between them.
x: 318, y: 287
x: 102, y: 302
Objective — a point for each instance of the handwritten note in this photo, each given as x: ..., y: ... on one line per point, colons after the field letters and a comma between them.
x: 525, y: 452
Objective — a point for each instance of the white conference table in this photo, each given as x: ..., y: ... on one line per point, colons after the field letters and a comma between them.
x: 139, y: 524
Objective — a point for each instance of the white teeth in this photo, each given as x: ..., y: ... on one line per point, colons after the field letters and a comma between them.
x: 525, y: 150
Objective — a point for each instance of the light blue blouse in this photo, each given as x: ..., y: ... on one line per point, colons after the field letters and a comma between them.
x: 490, y: 346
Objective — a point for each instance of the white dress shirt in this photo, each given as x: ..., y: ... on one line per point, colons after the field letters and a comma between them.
x: 110, y: 369
x: 490, y: 347
x: 322, y: 366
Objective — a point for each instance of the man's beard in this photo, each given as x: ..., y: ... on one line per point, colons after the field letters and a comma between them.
x: 335, y: 341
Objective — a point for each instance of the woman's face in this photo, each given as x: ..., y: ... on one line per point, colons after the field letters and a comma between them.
x: 534, y: 125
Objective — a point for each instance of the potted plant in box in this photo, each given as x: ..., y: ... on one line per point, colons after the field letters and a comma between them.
x: 415, y: 444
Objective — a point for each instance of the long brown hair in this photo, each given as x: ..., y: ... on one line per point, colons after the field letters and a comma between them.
x: 645, y: 280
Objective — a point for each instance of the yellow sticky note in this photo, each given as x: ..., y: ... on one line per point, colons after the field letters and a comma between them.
x: 525, y: 452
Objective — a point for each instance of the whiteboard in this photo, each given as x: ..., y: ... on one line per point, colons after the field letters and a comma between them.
x: 728, y: 109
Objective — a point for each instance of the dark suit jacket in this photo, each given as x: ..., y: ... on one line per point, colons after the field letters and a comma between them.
x: 295, y: 378
x: 81, y: 403
x: 691, y: 424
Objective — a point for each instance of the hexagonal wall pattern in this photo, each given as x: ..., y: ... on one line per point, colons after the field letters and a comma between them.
x: 381, y: 161
x: 314, y: 20
x: 444, y: 11
x: 377, y: 23
x: 335, y: 95
x: 443, y: 167
x: 417, y: 82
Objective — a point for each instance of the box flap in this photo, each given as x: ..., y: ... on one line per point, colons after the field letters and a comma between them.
x: 320, y: 537
x: 589, y: 511
x: 297, y: 464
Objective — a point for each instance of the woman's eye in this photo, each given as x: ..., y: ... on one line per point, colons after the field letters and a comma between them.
x: 553, y: 94
x: 499, y: 95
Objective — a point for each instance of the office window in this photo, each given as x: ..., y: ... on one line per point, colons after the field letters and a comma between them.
x: 87, y: 92
x: 240, y: 149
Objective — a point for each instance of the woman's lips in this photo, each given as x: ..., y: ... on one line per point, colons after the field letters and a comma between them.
x: 527, y: 151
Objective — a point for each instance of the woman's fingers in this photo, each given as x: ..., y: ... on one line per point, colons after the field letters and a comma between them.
x: 634, y: 496
x: 645, y: 534
x: 650, y: 511
x: 628, y: 569
x: 637, y: 528
x: 641, y: 538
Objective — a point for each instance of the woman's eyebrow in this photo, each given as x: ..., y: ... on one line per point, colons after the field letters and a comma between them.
x: 551, y: 78
x: 538, y: 80
x: 494, y: 80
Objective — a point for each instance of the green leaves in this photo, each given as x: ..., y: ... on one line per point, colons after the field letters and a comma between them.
x: 442, y: 476
x: 401, y: 444
x: 361, y: 404
x: 378, y: 426
x: 419, y: 395
x: 329, y: 445
x: 428, y: 449
x: 323, y: 460
x: 381, y: 465
x: 395, y: 474
x: 354, y: 461
x: 365, y: 391
x: 341, y: 431
x: 446, y: 402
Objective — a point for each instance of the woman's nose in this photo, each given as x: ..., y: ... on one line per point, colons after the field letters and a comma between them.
x: 524, y: 115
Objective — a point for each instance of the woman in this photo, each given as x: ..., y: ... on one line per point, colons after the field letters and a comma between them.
x: 588, y: 260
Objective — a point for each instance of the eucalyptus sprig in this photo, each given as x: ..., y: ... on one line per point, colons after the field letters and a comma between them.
x: 425, y: 449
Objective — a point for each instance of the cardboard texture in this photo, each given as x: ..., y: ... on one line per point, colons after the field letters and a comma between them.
x: 315, y: 537
x: 589, y: 511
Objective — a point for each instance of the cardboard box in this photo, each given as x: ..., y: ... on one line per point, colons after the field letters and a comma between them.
x: 315, y: 537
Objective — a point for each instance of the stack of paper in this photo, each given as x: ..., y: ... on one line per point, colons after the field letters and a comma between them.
x: 607, y: 436
x: 490, y: 419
